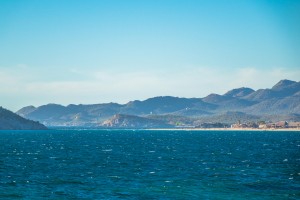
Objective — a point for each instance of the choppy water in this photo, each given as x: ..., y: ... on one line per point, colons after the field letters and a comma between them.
x: 126, y: 164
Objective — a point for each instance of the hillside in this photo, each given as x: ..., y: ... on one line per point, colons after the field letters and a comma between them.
x: 129, y: 121
x: 12, y: 121
x: 228, y: 118
x: 280, y: 101
x: 239, y: 92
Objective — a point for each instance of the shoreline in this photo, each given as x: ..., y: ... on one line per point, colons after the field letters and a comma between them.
x: 223, y: 129
x: 178, y: 129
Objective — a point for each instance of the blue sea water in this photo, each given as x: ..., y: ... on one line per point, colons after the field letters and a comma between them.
x: 128, y: 164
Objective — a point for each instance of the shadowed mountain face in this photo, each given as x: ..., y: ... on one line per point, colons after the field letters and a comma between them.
x: 282, y: 99
x: 12, y: 121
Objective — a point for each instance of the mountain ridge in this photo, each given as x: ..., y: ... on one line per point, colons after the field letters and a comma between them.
x: 282, y: 99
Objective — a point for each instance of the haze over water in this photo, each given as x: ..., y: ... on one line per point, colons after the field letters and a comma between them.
x: 129, y: 164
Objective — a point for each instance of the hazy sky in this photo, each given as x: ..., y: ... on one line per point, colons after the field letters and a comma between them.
x: 64, y: 52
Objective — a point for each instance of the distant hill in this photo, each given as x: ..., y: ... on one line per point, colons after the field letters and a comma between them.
x: 239, y: 92
x: 283, y: 99
x: 26, y: 110
x: 285, y: 84
x: 71, y: 115
x: 175, y: 120
x: 226, y: 102
x: 129, y: 121
x: 12, y: 121
x: 159, y: 105
x: 228, y: 118
x: 282, y: 89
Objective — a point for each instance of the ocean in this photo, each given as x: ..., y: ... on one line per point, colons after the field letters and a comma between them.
x: 145, y: 164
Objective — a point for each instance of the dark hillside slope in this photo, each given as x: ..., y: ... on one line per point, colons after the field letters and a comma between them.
x: 12, y: 121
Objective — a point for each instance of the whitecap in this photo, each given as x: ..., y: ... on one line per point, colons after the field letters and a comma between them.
x: 114, y: 176
x: 106, y: 150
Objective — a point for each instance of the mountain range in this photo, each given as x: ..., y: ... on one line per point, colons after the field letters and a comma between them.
x: 281, y: 102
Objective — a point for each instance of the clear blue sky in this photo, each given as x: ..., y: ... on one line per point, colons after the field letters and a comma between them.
x: 107, y: 50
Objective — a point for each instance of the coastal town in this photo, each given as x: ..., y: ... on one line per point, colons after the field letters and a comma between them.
x: 252, y: 125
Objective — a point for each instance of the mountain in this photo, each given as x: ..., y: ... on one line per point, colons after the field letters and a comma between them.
x: 261, y: 95
x: 26, y: 110
x: 160, y: 105
x: 92, y: 115
x: 283, y: 84
x: 228, y: 118
x: 216, y: 98
x: 239, y: 92
x: 227, y: 102
x: 12, y: 121
x: 283, y: 99
x: 190, y: 112
x: 287, y: 105
x: 129, y: 121
x: 71, y: 115
x: 283, y: 88
x: 175, y: 120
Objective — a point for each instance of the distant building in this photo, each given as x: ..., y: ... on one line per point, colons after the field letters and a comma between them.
x: 239, y: 125
x: 244, y: 125
x: 294, y: 124
x: 262, y: 126
x: 281, y: 124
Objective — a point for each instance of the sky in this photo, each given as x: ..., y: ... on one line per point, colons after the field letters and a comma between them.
x: 99, y: 51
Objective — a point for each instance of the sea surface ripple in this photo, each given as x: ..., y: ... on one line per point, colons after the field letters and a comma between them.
x: 144, y: 164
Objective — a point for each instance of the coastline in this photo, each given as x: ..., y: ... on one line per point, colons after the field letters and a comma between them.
x: 224, y: 129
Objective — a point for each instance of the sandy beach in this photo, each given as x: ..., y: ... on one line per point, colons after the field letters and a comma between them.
x: 226, y: 129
